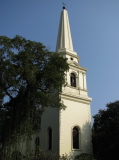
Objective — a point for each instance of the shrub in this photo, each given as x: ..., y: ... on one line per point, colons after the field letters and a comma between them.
x: 84, y: 156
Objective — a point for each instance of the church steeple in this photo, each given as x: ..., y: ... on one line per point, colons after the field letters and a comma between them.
x: 64, y: 39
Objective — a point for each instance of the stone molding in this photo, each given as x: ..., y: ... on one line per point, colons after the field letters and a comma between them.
x: 78, y: 98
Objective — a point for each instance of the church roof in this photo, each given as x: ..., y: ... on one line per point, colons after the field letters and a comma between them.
x: 64, y: 39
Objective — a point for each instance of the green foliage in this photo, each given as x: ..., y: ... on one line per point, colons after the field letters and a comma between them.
x: 84, y: 156
x: 41, y: 155
x: 45, y: 155
x: 31, y: 78
x: 106, y: 132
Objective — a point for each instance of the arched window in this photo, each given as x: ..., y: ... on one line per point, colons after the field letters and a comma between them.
x: 16, y: 155
x: 75, y: 137
x: 37, y: 144
x: 37, y: 141
x: 49, y: 139
x: 73, y: 80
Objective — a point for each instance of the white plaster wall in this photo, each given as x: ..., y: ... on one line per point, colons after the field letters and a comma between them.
x: 76, y: 114
x: 71, y: 90
x: 83, y: 93
x: 81, y: 80
x: 85, y: 84
x: 50, y: 118
x: 71, y: 56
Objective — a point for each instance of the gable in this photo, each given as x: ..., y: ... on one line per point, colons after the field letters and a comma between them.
x: 76, y: 65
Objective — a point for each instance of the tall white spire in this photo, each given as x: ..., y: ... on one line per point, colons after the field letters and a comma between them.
x: 64, y: 39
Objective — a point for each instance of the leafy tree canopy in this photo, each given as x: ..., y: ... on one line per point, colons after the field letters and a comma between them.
x: 106, y: 132
x: 31, y: 78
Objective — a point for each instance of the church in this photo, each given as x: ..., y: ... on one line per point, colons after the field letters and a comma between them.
x: 68, y: 131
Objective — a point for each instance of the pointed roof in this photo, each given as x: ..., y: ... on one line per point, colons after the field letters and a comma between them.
x: 64, y: 39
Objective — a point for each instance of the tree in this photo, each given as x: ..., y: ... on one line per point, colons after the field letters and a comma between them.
x: 31, y: 78
x: 106, y: 132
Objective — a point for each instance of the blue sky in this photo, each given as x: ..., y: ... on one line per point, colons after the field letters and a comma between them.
x: 95, y: 33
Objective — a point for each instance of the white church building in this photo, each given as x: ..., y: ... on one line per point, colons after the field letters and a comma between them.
x: 68, y: 131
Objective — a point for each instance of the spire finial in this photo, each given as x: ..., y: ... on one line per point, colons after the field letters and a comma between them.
x: 64, y: 5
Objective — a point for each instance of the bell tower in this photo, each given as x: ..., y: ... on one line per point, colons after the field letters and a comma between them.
x: 75, y: 121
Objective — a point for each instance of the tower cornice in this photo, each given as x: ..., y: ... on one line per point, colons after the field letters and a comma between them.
x: 78, y: 98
